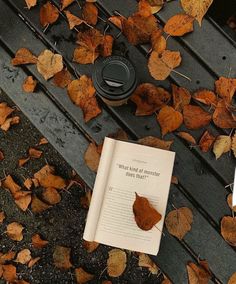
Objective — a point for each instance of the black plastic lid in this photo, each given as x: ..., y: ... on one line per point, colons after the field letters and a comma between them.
x: 114, y: 78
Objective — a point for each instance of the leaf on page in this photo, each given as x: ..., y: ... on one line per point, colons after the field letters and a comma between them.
x: 146, y: 216
x: 145, y: 261
x: 90, y: 246
x: 179, y: 25
x: 156, y: 142
x: 179, y: 221
x: 61, y: 257
x: 222, y: 145
x: 206, y: 141
x: 198, y: 274
x: 116, y: 262
x: 195, y: 117
x: 48, y: 14
x: 82, y: 276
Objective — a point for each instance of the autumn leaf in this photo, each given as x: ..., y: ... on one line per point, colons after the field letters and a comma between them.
x: 44, y: 141
x: 156, y: 142
x: 29, y: 84
x: 233, y: 146
x: 198, y: 274
x: 90, y: 13
x: 83, y: 55
x: 66, y: 3
x: 82, y: 276
x: 161, y: 65
x: 116, y: 21
x: 34, y: 153
x: 181, y: 97
x: 149, y: 98
x: 24, y: 256
x: 5, y: 111
x: 225, y: 88
x: 33, y: 261
x: 149, y: 7
x: 92, y: 157
x: 228, y: 229
x: 146, y: 216
x: 195, y: 117
x: 23, y: 161
x: 179, y: 25
x: 61, y: 257
x: 14, y: 231
x: 9, y: 273
x: 169, y: 119
x: 10, y: 255
x: 23, y: 56
x: 38, y: 206
x: 145, y: 261
x: 1, y: 156
x: 90, y: 246
x: 73, y: 20
x: 38, y: 242
x: 196, y: 8
x: 206, y: 97
x: 30, y: 3
x: 11, y: 185
x: 86, y: 199
x: 158, y: 41
x: 230, y: 202
x: 206, y: 141
x: 10, y: 121
x: 232, y: 279
x: 49, y: 64
x: 187, y: 137
x: 178, y: 222
x: 222, y: 116
x: 23, y: 199
x: 2, y: 217
x: 51, y: 195
x: 106, y: 48
x: 222, y: 145
x: 116, y: 262
x: 61, y: 79
x: 48, y: 14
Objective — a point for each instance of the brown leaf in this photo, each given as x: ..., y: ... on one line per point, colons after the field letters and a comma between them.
x: 149, y: 7
x: 83, y: 55
x: 158, y: 42
x: 106, y: 47
x: 232, y: 279
x: 120, y: 134
x: 14, y: 231
x: 34, y: 153
x: 145, y: 215
x: 169, y: 119
x: 24, y: 256
x: 23, y: 199
x: 73, y: 20
x: 187, y: 137
x: 38, y: 206
x: 9, y: 273
x: 181, y: 97
x: 174, y: 180
x: 86, y: 199
x: 149, y: 98
x: 38, y: 242
x: 198, y: 274
x: 156, y: 142
x: 61, y: 79
x: 66, y: 3
x: 82, y: 276
x: 23, y: 161
x: 178, y: 222
x: 43, y: 141
x: 51, y: 195
x: 222, y: 116
x: 28, y: 183
x: 48, y: 14
x: 91, y: 109
x: 228, y: 229
x: 61, y: 257
x: 206, y: 97
x: 222, y: 145
x: 7, y: 257
x: 92, y: 157
x: 90, y: 246
x: 206, y: 141
x: 30, y: 3
x: 196, y: 8
x: 29, y: 84
x: 23, y: 56
x: 5, y: 111
x: 1, y: 156
x: 90, y: 13
x: 233, y: 146
x: 195, y: 117
x: 33, y: 261
x: 161, y: 65
x: 230, y: 202
x: 179, y: 25
x: 116, y: 262
x: 225, y: 88
x: 145, y: 261
x: 10, y: 121
x: 2, y: 217
x: 117, y: 21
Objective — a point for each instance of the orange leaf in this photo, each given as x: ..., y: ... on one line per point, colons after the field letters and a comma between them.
x: 28, y: 183
x: 86, y: 199
x: 24, y: 201
x: 10, y: 121
x: 73, y: 20
x: 232, y: 279
x: 61, y: 257
x: 2, y: 217
x: 61, y: 79
x: 83, y: 55
x: 37, y: 242
x: 90, y: 246
x: 90, y: 13
x: 160, y: 65
x: 92, y: 157
x: 149, y: 7
x: 206, y: 141
x: 169, y: 119
x: 38, y: 206
x: 23, y: 161
x: 29, y: 84
x: 230, y: 202
x: 14, y: 231
x: 179, y: 25
x: 9, y: 273
x: 48, y: 14
x: 117, y: 21
x: 158, y: 42
x: 5, y: 111
x: 225, y: 88
x: 33, y: 261
x: 106, y: 47
x: 66, y: 3
x: 7, y: 257
x: 30, y: 3
x: 198, y: 274
x: 222, y: 116
x: 233, y: 147
x: 145, y: 215
x: 188, y: 137
x: 156, y: 142
x: 181, y: 97
x: 195, y: 117
x: 9, y: 183
x: 116, y: 262
x: 43, y: 140
x: 51, y: 195
x: 206, y: 97
x: 82, y: 276
x: 228, y: 229
x: 91, y: 39
x: 34, y: 153
x: 24, y: 256
x: 23, y: 56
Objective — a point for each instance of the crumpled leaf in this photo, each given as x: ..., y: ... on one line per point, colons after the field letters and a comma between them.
x: 29, y: 84
x: 9, y: 273
x: 158, y: 41
x: 24, y: 256
x: 198, y: 274
x: 82, y: 276
x: 228, y: 229
x: 196, y: 8
x: 232, y: 279
x: 161, y: 65
x: 145, y: 261
x: 49, y: 64
x: 48, y: 14
x: 73, y: 20
x: 5, y: 111
x: 38, y: 242
x: 65, y: 3
x: 181, y: 97
x: 90, y: 13
x: 195, y: 117
x: 179, y: 25
x: 61, y: 257
x: 230, y: 202
x: 116, y: 262
x: 222, y: 116
x: 24, y: 56
x: 222, y: 145
x: 38, y: 206
x: 61, y: 79
x: 90, y: 246
x: 2, y: 217
x: 156, y: 142
x: 149, y: 98
x: 206, y: 141
x: 178, y: 222
x: 30, y: 3
x: 225, y: 88
x: 51, y: 195
x: 169, y: 119
x: 145, y: 215
x: 14, y: 231
x: 149, y: 7
x: 92, y: 157
x: 233, y: 146
x: 206, y: 97
x: 187, y: 137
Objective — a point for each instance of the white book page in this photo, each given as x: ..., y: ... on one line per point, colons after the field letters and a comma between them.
x: 140, y: 169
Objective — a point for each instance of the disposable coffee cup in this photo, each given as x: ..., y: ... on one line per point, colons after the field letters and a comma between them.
x: 114, y: 79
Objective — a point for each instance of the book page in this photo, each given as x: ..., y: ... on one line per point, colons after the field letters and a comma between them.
x: 141, y: 169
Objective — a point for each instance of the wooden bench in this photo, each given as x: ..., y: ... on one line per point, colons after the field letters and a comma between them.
x: 207, y: 54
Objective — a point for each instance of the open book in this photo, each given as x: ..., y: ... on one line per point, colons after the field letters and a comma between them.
x: 126, y: 168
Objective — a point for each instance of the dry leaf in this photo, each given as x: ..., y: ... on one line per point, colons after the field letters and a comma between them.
x: 117, y: 21
x: 116, y: 262
x: 90, y: 246
x: 92, y: 157
x: 230, y: 202
x: 149, y: 7
x: 156, y: 142
x: 10, y: 184
x: 226, y: 88
x: 222, y: 116
x: 37, y: 242
x: 48, y: 14
x: 9, y: 273
x: 149, y: 98
x: 61, y: 257
x: 166, y: 281
x: 145, y: 261
x: 23, y: 56
x: 7, y: 257
x: 49, y: 64
x: 181, y: 97
x: 73, y: 20
x: 1, y: 156
x: 91, y: 109
x: 2, y: 217
x: 51, y: 195
x: 28, y: 183
x: 24, y: 256
x: 187, y: 137
x: 29, y: 84
x: 174, y: 180
x: 106, y: 47
x: 14, y: 231
x: 228, y: 229
x: 38, y: 206
x: 61, y: 79
x: 23, y: 161
x: 195, y: 117
x: 232, y: 279
x: 233, y: 146
x: 169, y: 119
x: 34, y: 153
x: 30, y: 3
x: 33, y: 261
x: 21, y: 282
x: 196, y: 8
x: 145, y: 215
x: 5, y: 111
x: 86, y: 199
x: 206, y: 141
x: 66, y: 3
x: 179, y: 25
x: 198, y: 274
x: 83, y: 55
x: 222, y: 145
x: 23, y: 200
x: 206, y: 97
x: 35, y: 182
x: 10, y: 121
x: 90, y: 13
x: 43, y: 141
x: 158, y: 42
x: 160, y: 65
x: 82, y: 276
x: 178, y: 222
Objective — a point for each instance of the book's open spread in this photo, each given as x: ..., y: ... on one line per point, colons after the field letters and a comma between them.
x: 126, y: 168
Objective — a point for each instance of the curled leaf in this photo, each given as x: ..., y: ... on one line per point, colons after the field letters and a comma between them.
x: 187, y: 137
x: 38, y: 242
x: 30, y: 3
x: 66, y: 3
x: 51, y: 195
x: 24, y: 256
